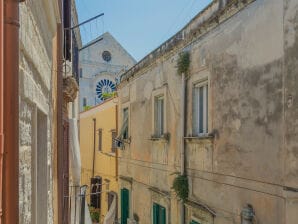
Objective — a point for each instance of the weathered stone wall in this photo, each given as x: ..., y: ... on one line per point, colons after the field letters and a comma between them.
x: 290, y: 81
x: 249, y: 57
x: 37, y: 30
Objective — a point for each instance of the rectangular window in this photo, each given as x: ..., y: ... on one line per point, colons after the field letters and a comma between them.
x: 194, y: 222
x: 99, y: 139
x: 124, y: 131
x: 96, y: 188
x: 114, y: 135
x: 159, y: 116
x: 159, y: 214
x: 84, y: 102
x: 81, y: 73
x: 200, y: 109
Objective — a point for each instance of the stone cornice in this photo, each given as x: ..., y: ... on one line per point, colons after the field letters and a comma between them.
x: 209, y: 18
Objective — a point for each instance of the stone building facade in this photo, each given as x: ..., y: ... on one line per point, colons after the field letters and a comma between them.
x: 101, y: 63
x: 37, y: 65
x: 45, y: 89
x: 241, y: 119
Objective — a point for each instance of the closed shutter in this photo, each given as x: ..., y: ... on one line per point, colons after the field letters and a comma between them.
x: 162, y: 215
x: 99, y: 139
x: 193, y: 222
x: 155, y: 213
x: 124, y: 205
x: 114, y: 135
x: 159, y: 214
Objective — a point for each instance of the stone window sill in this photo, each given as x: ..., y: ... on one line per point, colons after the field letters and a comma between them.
x: 163, y: 138
x: 200, y: 137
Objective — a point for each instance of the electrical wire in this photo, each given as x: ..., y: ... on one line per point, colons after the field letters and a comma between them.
x: 174, y: 22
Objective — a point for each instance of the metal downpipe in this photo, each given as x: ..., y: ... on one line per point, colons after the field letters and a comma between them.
x: 182, y: 155
x: 1, y: 101
x: 11, y: 113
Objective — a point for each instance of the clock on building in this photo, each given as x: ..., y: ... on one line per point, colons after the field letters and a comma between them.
x: 104, y: 86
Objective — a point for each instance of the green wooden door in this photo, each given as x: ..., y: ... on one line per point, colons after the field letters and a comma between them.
x: 124, y: 205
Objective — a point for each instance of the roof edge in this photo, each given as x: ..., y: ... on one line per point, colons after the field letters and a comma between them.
x: 201, y: 24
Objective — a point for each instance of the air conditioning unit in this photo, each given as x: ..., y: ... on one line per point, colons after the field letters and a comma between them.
x: 131, y: 221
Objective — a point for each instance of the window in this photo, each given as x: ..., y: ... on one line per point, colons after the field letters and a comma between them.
x: 114, y: 135
x: 124, y: 129
x: 159, y: 214
x: 194, y: 222
x: 124, y: 205
x: 200, y: 109
x: 81, y: 73
x: 99, y: 139
x: 159, y: 116
x: 95, y: 197
x: 84, y: 102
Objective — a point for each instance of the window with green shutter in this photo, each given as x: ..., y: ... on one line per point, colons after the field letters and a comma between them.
x: 159, y: 214
x: 194, y: 222
x: 124, y: 205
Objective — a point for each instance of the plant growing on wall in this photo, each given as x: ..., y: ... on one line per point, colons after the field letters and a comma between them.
x: 183, y: 62
x: 94, y: 214
x: 87, y: 107
x: 106, y: 96
x: 180, y: 186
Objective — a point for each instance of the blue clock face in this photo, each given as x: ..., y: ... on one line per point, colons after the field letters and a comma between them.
x: 104, y: 86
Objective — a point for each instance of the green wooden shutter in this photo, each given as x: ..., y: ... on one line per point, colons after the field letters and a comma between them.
x: 162, y: 215
x: 155, y: 213
x: 124, y: 205
x: 193, y: 222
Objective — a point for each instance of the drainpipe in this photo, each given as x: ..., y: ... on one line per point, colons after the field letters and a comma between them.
x: 116, y: 151
x: 182, y: 155
x: 11, y: 113
x: 94, y: 143
x: 1, y: 101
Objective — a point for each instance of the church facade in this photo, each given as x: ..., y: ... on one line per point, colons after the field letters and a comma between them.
x: 102, y: 61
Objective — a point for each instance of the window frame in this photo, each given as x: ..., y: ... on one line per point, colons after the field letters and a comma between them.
x: 161, y: 92
x: 195, y: 130
x: 96, y: 198
x: 123, y: 107
x: 127, y: 128
x: 159, y: 115
x: 159, y: 212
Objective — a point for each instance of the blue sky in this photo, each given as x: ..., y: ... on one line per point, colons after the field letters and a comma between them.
x: 140, y: 26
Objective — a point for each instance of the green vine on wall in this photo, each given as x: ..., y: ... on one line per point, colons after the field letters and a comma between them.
x: 183, y: 62
x: 180, y: 186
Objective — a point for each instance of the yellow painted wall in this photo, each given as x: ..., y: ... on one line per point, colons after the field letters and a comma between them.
x: 105, y: 160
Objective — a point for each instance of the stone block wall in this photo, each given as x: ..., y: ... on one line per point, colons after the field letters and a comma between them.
x: 249, y: 60
x: 37, y: 30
